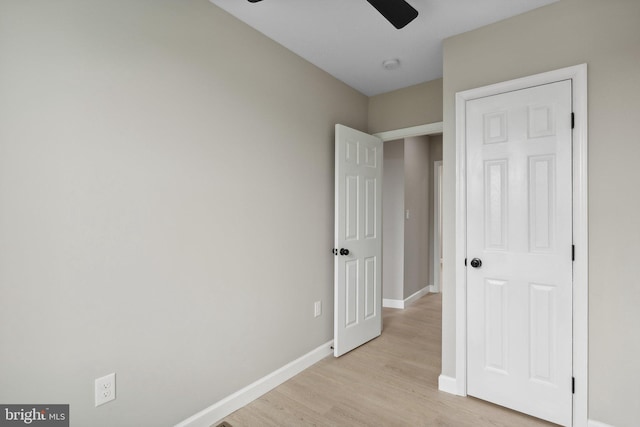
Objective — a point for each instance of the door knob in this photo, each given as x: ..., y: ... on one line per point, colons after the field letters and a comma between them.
x: 476, y: 263
x: 344, y: 251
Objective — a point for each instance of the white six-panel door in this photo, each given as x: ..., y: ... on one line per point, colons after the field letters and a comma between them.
x: 358, y: 229
x: 519, y: 225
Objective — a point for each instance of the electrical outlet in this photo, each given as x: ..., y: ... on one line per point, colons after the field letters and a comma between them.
x: 105, y: 389
x: 317, y: 308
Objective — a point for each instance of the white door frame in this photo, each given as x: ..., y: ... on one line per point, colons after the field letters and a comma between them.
x: 437, y: 224
x: 427, y: 129
x: 578, y: 74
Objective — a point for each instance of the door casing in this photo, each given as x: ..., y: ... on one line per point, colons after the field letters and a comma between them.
x: 437, y: 226
x: 578, y: 75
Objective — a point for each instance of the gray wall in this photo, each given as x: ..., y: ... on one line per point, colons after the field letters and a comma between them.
x: 166, y: 205
x: 393, y: 220
x: 412, y: 106
x: 418, y: 182
x: 605, y: 35
x: 407, y: 243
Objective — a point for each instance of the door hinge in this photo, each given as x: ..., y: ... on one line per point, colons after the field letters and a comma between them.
x: 573, y: 120
x: 573, y: 252
x: 573, y: 385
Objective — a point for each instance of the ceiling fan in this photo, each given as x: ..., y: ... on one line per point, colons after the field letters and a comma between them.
x: 398, y: 12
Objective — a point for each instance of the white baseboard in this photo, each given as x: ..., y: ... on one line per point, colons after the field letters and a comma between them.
x: 593, y: 423
x: 237, y: 400
x: 392, y: 303
x: 399, y: 303
x: 413, y: 298
x: 447, y: 384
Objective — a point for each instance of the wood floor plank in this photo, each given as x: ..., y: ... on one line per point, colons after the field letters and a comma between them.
x: 390, y: 381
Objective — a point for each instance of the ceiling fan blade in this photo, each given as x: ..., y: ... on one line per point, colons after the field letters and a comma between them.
x: 398, y: 12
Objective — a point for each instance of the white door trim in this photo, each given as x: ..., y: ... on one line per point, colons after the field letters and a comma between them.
x: 437, y: 225
x: 426, y: 129
x: 578, y: 74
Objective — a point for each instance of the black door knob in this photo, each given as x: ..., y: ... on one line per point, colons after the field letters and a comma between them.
x: 344, y: 251
x: 476, y: 263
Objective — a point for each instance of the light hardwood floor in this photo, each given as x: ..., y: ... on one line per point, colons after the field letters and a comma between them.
x: 390, y: 381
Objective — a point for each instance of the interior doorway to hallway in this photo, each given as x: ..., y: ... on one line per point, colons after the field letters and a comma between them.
x: 411, y: 266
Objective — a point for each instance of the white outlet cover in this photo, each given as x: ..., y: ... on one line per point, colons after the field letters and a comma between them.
x: 105, y: 389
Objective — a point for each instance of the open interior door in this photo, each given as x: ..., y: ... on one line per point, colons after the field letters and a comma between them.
x: 358, y: 239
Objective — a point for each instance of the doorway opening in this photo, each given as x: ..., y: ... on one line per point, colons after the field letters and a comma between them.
x: 410, y: 224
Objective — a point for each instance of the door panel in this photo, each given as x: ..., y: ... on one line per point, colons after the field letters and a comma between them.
x: 358, y: 297
x: 351, y: 292
x: 370, y: 292
x: 519, y: 223
x: 496, y: 327
x: 541, y: 203
x: 495, y: 176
